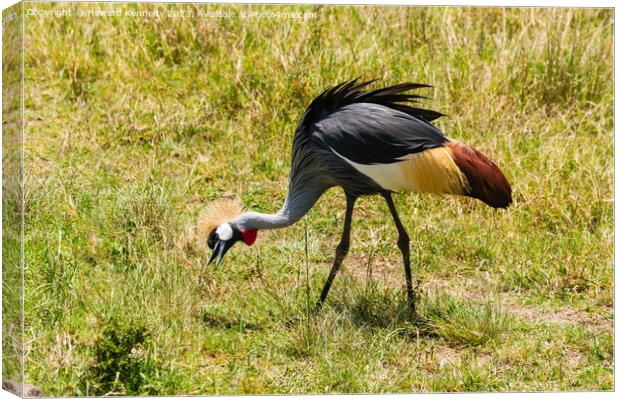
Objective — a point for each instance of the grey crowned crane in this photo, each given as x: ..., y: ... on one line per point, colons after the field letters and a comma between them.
x: 367, y: 142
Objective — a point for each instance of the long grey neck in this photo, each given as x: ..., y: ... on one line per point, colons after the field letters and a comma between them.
x: 299, y: 200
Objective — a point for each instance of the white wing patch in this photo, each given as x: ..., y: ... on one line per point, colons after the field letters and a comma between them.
x: 431, y: 171
x: 389, y: 176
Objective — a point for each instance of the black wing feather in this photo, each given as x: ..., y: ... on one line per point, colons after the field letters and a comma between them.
x: 350, y: 92
x: 370, y: 133
x: 377, y: 126
x: 394, y: 98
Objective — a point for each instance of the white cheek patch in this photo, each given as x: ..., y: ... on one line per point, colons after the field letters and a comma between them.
x: 224, y: 232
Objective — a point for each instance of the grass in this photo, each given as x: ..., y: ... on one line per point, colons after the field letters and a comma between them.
x: 12, y: 310
x: 133, y: 124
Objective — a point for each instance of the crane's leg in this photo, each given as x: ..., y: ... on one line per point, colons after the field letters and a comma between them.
x: 403, y: 244
x: 341, y: 250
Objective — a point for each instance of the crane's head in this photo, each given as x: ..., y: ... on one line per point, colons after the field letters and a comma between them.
x: 222, y: 238
x: 215, y: 223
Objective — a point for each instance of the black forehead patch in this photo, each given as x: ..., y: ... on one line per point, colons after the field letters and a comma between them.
x: 212, y: 239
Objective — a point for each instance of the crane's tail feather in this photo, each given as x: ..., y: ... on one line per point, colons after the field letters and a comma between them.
x: 486, y: 181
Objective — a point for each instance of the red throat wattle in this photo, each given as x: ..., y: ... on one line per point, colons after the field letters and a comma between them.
x: 249, y: 236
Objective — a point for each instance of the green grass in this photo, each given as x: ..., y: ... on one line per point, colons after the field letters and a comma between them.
x: 134, y: 124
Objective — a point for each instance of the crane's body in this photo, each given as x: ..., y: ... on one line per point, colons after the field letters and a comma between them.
x: 368, y: 143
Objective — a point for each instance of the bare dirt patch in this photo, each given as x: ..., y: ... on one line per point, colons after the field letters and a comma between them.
x: 561, y: 316
x: 376, y: 267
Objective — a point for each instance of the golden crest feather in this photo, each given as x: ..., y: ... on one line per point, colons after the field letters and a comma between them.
x: 214, y: 214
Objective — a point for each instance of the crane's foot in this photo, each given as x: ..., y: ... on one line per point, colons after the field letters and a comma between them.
x: 412, y: 312
x: 412, y: 299
x: 411, y: 308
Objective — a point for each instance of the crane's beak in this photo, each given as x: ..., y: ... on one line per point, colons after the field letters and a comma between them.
x: 220, y: 248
